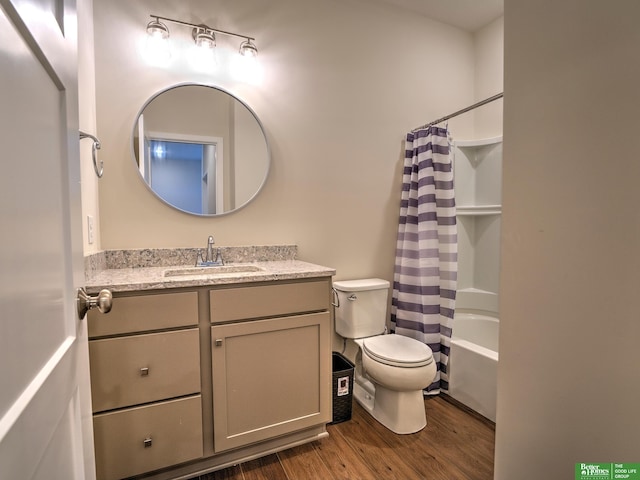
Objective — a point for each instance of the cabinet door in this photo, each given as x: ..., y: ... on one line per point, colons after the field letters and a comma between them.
x: 270, y: 377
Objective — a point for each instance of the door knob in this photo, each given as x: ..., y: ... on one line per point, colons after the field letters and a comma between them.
x: 86, y: 302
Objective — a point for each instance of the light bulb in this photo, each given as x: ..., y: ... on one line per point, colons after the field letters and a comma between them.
x: 157, y: 50
x: 246, y: 69
x: 248, y: 49
x: 205, y: 39
x: 157, y: 29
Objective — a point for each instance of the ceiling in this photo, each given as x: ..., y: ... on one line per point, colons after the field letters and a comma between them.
x: 470, y: 15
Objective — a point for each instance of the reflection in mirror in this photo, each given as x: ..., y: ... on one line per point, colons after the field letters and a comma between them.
x: 200, y: 149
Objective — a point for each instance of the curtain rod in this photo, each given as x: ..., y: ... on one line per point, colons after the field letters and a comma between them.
x: 460, y: 112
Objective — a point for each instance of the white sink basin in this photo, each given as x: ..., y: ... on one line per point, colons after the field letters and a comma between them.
x: 212, y: 271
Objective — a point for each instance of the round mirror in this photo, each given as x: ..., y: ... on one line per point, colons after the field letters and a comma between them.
x: 200, y: 149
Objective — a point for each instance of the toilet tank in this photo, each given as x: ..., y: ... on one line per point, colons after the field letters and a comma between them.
x: 361, y: 309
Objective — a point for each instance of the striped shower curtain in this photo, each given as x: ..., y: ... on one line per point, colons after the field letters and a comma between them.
x: 424, y: 284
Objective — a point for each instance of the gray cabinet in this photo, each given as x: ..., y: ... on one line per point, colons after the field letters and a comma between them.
x: 145, y: 384
x: 186, y: 380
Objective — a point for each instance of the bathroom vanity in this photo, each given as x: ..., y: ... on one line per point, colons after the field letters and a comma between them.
x: 198, y: 371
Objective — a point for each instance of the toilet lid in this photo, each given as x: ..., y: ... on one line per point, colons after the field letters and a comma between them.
x: 397, y: 350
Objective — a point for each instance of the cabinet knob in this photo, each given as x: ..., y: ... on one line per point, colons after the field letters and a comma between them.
x: 218, y: 342
x: 148, y: 442
x: 144, y: 372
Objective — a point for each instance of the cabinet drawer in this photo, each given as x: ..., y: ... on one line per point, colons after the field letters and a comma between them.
x: 144, y: 368
x: 269, y: 300
x: 145, y: 312
x: 172, y: 430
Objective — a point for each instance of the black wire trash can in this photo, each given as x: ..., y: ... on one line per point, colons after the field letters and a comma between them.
x: 342, y: 388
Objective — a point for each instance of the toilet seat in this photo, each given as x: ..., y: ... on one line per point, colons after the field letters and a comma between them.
x: 397, y: 351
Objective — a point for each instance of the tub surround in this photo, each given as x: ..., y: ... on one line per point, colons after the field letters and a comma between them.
x: 146, y: 269
x: 473, y: 362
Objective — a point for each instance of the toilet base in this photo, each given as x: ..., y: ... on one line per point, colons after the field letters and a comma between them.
x: 400, y: 412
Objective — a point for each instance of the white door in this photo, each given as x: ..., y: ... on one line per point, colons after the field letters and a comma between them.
x: 45, y: 417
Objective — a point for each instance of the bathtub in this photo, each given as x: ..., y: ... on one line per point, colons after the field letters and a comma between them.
x: 473, y: 362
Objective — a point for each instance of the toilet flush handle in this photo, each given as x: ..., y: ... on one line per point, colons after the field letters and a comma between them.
x: 336, y: 298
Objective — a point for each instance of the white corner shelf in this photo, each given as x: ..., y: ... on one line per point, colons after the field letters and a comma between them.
x: 477, y: 143
x: 478, y: 181
x: 477, y: 173
x: 477, y: 210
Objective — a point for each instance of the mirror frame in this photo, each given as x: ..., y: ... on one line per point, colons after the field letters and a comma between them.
x: 165, y: 202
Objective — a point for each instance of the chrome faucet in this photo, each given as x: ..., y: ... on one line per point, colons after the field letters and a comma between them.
x: 209, y: 260
x: 210, y: 243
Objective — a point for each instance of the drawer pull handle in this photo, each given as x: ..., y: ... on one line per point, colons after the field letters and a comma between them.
x: 148, y: 442
x: 144, y: 372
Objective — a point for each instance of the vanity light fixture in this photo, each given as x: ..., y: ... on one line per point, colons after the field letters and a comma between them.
x: 248, y: 49
x: 203, y: 35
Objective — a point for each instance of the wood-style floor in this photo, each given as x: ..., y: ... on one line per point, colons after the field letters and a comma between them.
x: 455, y: 445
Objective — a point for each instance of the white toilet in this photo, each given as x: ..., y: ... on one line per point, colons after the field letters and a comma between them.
x: 391, y: 370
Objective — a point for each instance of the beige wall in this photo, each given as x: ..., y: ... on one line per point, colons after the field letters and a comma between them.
x: 568, y: 383
x: 489, y: 73
x: 87, y: 121
x: 343, y: 82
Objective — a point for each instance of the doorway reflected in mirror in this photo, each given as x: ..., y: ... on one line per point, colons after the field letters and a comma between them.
x: 200, y: 150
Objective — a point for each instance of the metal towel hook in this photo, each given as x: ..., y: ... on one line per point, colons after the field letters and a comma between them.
x: 95, y: 147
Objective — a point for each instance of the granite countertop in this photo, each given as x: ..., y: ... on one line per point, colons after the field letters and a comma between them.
x: 124, y: 271
x: 152, y: 278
